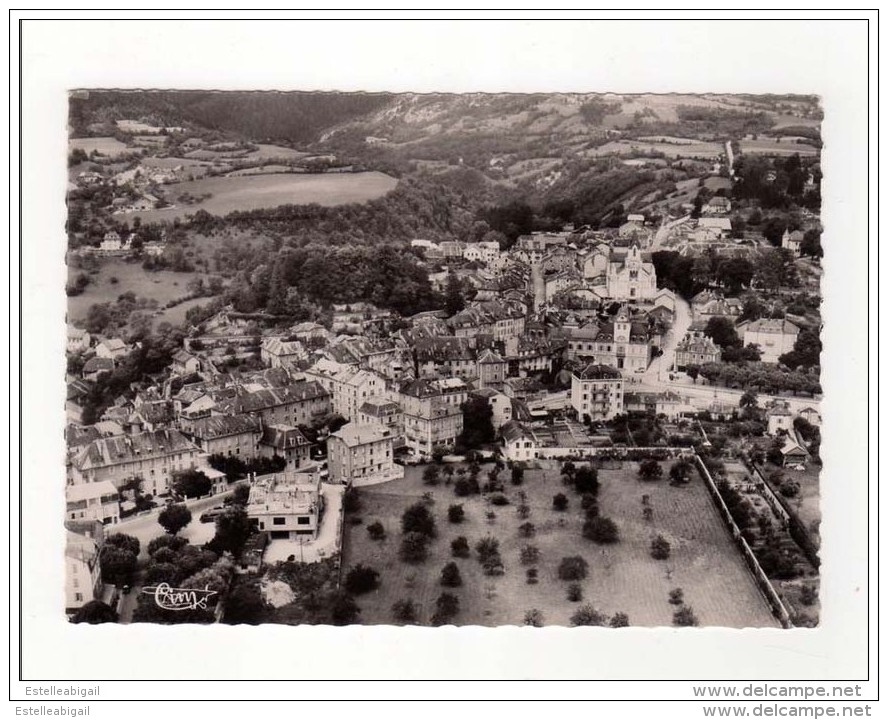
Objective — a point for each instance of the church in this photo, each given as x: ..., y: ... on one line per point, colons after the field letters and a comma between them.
x: 630, y: 275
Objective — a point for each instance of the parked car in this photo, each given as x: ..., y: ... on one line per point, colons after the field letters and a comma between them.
x: 211, y: 515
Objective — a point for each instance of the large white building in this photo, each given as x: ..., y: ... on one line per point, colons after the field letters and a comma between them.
x: 362, y: 455
x: 596, y: 391
x: 286, y: 506
x: 773, y: 337
x: 630, y: 275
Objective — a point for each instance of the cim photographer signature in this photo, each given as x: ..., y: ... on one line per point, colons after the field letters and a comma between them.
x: 170, y: 598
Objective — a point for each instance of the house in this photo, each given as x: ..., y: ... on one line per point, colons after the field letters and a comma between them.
x: 452, y: 249
x: 154, y: 415
x: 668, y: 404
x: 348, y: 386
x: 630, y: 275
x: 779, y: 419
x: 277, y: 352
x: 486, y: 252
x: 446, y: 355
x: 184, y: 363
x: 286, y: 442
x: 497, y: 318
x: 287, y: 506
x: 228, y: 435
x: 491, y: 369
x: 595, y: 263
x: 83, y: 573
x: 519, y: 444
x: 792, y: 451
x: 716, y: 205
x: 596, y: 392
x: 581, y: 342
x: 811, y: 415
x: 707, y: 304
x: 95, y: 367
x: 500, y: 403
x: 93, y: 501
x: 380, y: 410
x: 78, y: 340
x: 76, y: 396
x: 432, y: 414
x: 623, y: 344
x: 111, y: 241
x: 113, y: 349
x: 152, y: 456
x: 774, y: 337
x: 362, y: 455
x: 792, y: 241
x: 695, y: 348
x: 718, y: 227
x: 300, y: 403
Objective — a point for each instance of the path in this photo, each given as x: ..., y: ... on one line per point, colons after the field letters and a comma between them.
x: 539, y: 286
x: 660, y: 366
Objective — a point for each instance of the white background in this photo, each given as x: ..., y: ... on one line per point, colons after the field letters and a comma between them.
x: 539, y: 54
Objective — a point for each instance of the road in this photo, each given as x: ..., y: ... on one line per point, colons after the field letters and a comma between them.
x: 663, y: 232
x: 146, y: 527
x: 700, y: 396
x: 660, y: 366
x: 539, y: 286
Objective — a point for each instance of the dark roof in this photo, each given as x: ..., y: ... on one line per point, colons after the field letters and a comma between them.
x: 217, y: 426
x: 282, y: 437
x: 598, y: 372
x: 445, y: 347
x: 98, y: 364
x: 264, y: 399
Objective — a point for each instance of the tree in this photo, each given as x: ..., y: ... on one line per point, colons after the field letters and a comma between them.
x: 376, y: 531
x: 174, y: 517
x: 344, y: 610
x: 685, y: 617
x: 517, y: 474
x: 192, y: 484
x: 588, y: 615
x: 680, y: 473
x: 676, y: 596
x: 749, y: 399
x: 361, y: 579
x: 241, y: 495
x: 118, y: 565
x: 450, y: 576
x: 560, y: 502
x: 573, y: 568
x: 533, y: 618
x: 351, y: 501
x: 619, y: 620
x: 233, y: 529
x: 601, y: 530
x: 124, y: 542
x: 431, y: 475
x: 530, y: 555
x: 722, y: 332
x: 660, y: 548
x: 456, y: 514
x: 586, y: 480
x: 454, y: 301
x: 245, y: 605
x: 414, y: 547
x: 404, y: 611
x: 95, y: 612
x: 446, y: 608
x: 459, y: 547
x: 418, y: 519
x: 477, y: 424
x: 527, y: 530
x: 171, y: 542
x: 650, y: 469
x: 574, y: 592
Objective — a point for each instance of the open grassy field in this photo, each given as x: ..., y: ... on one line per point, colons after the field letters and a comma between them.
x: 267, y: 191
x: 770, y: 146
x: 162, y: 286
x: 107, y: 146
x: 622, y: 577
x: 694, y: 149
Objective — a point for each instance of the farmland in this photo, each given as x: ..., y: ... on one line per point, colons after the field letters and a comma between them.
x: 107, y: 146
x: 622, y: 577
x: 162, y: 286
x: 777, y: 146
x: 230, y: 194
x: 672, y: 149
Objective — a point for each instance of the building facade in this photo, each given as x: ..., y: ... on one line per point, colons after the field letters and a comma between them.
x: 596, y: 391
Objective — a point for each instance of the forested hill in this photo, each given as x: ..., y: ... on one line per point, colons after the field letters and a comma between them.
x: 297, y: 117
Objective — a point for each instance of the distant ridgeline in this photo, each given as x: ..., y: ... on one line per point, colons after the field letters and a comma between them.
x: 292, y: 116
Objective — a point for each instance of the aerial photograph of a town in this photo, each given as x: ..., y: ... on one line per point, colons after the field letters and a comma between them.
x: 443, y: 359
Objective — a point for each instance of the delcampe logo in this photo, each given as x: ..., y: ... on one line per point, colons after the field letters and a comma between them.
x: 170, y: 598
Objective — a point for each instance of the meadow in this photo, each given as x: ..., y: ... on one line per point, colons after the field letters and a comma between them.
x: 230, y: 194
x: 108, y: 146
x: 622, y: 577
x: 770, y: 146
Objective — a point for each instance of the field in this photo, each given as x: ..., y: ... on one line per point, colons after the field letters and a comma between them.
x: 622, y: 577
x: 162, y: 286
x: 694, y: 149
x: 267, y: 191
x: 107, y: 146
x: 770, y: 146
